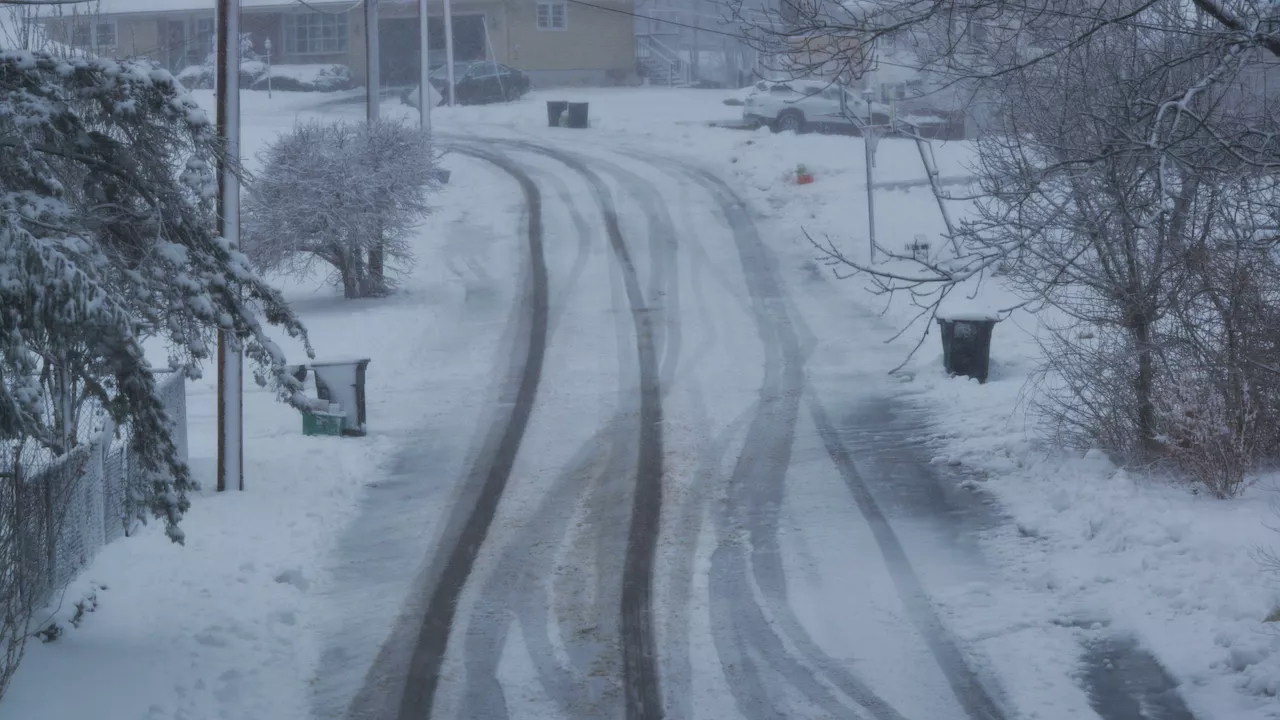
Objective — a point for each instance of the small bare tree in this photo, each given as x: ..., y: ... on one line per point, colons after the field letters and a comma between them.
x: 337, y: 194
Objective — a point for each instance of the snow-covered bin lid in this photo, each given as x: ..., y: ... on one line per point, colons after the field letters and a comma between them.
x: 969, y: 316
x: 340, y: 361
x: 968, y: 311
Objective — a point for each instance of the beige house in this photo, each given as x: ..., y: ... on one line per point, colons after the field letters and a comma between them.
x: 557, y: 42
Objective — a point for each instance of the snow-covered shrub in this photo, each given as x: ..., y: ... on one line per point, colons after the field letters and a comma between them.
x: 1211, y: 437
x: 305, y: 78
x: 345, y: 195
x: 197, y: 77
x: 205, y: 75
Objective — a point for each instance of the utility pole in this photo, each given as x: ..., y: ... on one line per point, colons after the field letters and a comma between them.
x: 373, y: 97
x: 448, y: 46
x: 230, y: 361
x: 424, y: 67
x: 373, y: 75
x: 695, y: 54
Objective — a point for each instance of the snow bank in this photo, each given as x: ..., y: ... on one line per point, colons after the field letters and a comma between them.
x: 222, y: 624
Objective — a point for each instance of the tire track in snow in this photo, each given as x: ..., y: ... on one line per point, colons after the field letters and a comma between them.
x: 750, y: 645
x: 639, y: 652
x: 522, y: 587
x: 491, y: 472
x: 517, y: 590
x: 977, y: 702
x: 755, y: 499
x: 973, y: 696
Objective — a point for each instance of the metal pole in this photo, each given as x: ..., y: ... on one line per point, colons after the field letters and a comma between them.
x: 268, y: 44
x: 868, y: 137
x: 871, y: 192
x: 373, y: 76
x: 424, y: 67
x: 230, y: 370
x: 448, y: 46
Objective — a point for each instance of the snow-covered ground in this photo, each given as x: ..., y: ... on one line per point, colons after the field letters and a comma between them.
x: 1076, y: 554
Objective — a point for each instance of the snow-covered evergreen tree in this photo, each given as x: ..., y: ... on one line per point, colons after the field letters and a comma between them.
x: 340, y: 194
x: 107, y: 239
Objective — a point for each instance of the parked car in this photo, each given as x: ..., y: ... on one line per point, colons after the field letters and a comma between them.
x: 739, y: 97
x: 800, y: 105
x: 476, y: 83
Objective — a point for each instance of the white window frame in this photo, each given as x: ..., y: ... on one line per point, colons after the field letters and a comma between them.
x: 291, y: 41
x: 94, y: 24
x: 550, y: 17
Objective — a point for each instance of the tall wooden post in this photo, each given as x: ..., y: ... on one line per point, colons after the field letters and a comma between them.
x: 448, y: 46
x: 373, y: 71
x: 230, y: 360
x: 424, y: 67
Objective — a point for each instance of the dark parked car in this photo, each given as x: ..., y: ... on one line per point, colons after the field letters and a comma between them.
x: 476, y: 83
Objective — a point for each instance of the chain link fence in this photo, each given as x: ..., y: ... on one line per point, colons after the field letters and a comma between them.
x: 82, y: 500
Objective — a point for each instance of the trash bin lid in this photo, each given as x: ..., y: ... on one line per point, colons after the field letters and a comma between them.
x: 968, y: 315
x: 331, y: 363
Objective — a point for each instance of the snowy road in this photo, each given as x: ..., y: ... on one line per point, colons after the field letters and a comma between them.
x: 637, y: 541
x: 668, y: 512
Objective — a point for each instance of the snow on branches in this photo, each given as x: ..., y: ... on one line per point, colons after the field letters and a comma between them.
x: 345, y: 195
x: 107, y: 189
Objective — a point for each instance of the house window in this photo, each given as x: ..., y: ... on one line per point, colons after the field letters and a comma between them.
x: 315, y: 33
x: 104, y: 35
x: 92, y: 33
x: 82, y: 35
x: 553, y: 15
x: 206, y: 36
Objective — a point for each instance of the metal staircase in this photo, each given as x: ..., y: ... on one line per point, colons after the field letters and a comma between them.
x: 659, y: 64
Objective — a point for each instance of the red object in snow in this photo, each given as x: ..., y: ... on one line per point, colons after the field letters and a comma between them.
x: 803, y: 178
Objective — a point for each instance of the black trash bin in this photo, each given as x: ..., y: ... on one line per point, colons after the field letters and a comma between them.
x: 555, y: 108
x: 578, y: 115
x: 966, y: 346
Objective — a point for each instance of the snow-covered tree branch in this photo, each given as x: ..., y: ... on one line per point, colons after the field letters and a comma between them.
x: 106, y: 241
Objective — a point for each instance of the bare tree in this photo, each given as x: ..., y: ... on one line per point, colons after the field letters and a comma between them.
x: 335, y: 193
x: 979, y: 39
x: 1124, y: 181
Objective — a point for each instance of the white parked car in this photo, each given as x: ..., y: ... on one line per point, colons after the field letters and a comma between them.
x: 800, y: 105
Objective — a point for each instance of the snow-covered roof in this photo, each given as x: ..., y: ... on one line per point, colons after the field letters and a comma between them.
x: 121, y: 7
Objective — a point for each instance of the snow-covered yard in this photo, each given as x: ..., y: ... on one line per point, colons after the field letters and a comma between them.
x: 231, y: 625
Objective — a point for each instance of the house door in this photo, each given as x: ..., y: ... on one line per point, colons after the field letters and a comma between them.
x: 175, y: 44
x: 398, y: 51
x: 398, y: 48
